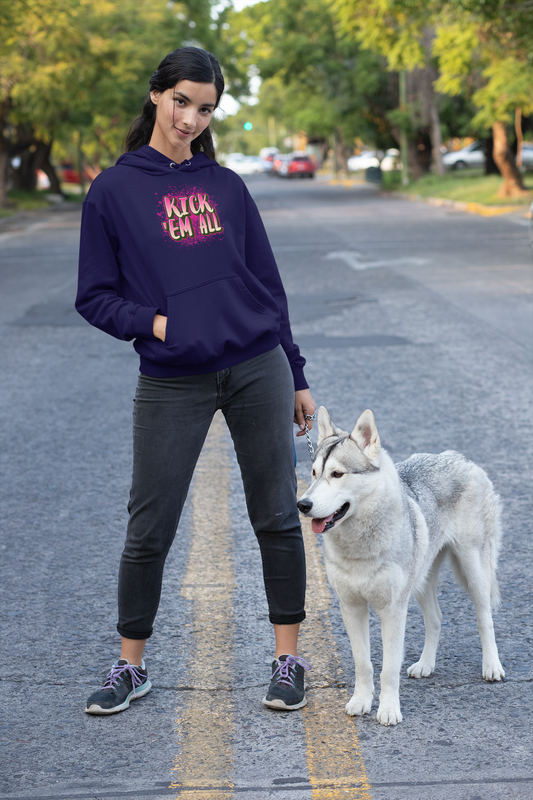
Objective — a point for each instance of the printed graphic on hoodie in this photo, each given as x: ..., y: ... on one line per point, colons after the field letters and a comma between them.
x: 189, y: 216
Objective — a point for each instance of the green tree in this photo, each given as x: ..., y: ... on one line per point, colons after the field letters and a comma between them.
x: 494, y: 40
x: 313, y: 80
x: 78, y: 70
x: 483, y: 50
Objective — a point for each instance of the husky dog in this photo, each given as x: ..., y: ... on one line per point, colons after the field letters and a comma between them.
x: 387, y: 530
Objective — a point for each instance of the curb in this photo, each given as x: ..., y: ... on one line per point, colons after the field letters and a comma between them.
x: 459, y: 205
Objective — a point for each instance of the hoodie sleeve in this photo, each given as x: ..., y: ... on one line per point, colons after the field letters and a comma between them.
x: 99, y: 298
x: 261, y: 262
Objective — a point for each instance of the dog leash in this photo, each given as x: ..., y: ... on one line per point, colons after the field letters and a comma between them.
x: 307, y: 436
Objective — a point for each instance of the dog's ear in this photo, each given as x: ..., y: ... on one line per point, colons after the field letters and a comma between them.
x: 366, y: 436
x: 325, y: 426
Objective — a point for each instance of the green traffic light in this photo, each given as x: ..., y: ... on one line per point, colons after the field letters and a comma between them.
x: 248, y: 126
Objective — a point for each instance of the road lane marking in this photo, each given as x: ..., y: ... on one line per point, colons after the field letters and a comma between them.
x: 353, y: 259
x: 334, y: 759
x: 203, y: 769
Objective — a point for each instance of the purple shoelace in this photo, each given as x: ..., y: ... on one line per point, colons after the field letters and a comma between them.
x: 116, y: 673
x: 286, y: 669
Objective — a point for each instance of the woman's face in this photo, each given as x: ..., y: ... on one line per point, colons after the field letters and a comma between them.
x: 182, y: 114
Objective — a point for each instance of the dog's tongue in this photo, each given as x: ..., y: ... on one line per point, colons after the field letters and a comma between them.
x: 318, y: 525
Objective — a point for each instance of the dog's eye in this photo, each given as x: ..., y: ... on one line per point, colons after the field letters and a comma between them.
x: 337, y: 474
x: 313, y: 473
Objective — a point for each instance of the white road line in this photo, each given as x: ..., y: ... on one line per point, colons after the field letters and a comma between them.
x: 353, y: 259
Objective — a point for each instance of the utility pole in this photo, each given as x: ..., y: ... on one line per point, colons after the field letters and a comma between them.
x: 272, y: 131
x: 403, y: 131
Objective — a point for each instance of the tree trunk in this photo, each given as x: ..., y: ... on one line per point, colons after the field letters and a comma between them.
x: 491, y: 168
x: 341, y: 162
x: 4, y: 160
x: 42, y: 161
x: 512, y: 185
x: 430, y: 75
x: 519, y: 136
x: 436, y: 137
x: 4, y: 154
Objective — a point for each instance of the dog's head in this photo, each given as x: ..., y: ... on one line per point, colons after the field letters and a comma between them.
x: 342, y: 467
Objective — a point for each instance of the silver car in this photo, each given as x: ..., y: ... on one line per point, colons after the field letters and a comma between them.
x: 473, y: 155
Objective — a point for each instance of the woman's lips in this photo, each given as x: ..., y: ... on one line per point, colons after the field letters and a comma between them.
x: 183, y: 134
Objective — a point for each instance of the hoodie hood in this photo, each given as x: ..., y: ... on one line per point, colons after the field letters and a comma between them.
x: 155, y: 163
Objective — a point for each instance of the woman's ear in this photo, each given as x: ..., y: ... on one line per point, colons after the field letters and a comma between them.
x: 154, y: 97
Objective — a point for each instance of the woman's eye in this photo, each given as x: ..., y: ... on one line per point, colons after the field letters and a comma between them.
x: 337, y: 474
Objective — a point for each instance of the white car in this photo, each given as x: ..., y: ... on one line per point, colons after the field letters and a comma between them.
x: 247, y: 165
x: 368, y: 158
x: 371, y: 158
x: 473, y: 155
x: 391, y: 160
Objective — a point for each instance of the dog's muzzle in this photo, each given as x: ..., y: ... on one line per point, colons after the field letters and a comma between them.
x: 322, y: 524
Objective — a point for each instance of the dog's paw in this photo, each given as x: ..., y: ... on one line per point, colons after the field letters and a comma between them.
x: 357, y: 706
x: 389, y: 715
x: 420, y: 670
x: 493, y: 671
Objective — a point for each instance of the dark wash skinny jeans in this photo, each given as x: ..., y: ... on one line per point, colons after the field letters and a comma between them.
x: 170, y: 423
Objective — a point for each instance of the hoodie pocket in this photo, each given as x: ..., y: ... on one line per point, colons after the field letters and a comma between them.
x: 207, y: 319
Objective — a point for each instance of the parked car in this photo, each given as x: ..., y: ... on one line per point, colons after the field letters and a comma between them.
x: 297, y: 164
x: 391, y: 160
x: 278, y: 163
x: 527, y: 155
x: 247, y: 165
x: 473, y: 155
x: 67, y: 173
x: 368, y: 158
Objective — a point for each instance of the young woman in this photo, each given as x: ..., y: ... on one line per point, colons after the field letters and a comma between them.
x: 174, y: 255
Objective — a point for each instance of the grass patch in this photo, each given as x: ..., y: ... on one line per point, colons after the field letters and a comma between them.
x: 19, y: 200
x: 456, y: 186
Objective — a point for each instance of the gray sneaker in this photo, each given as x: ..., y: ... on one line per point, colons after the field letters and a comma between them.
x: 124, y: 683
x: 287, y: 691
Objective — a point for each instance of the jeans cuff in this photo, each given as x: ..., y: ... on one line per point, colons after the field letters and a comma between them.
x: 134, y: 634
x: 287, y: 620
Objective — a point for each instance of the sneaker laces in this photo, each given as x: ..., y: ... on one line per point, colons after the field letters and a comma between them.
x: 287, y: 668
x: 117, y: 671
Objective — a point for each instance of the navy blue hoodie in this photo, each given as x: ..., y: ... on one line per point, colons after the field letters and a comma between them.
x: 186, y: 241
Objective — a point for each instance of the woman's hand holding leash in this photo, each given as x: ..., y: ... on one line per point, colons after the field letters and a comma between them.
x: 304, y: 407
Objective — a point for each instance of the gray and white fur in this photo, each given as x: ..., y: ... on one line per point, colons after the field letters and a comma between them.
x: 386, y: 532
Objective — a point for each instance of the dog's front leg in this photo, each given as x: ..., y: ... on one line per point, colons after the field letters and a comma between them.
x: 392, y: 636
x: 356, y: 621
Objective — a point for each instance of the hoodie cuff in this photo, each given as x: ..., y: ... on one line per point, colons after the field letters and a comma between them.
x: 142, y: 323
x: 299, y: 379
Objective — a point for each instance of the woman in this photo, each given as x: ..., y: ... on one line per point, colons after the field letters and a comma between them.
x: 174, y: 255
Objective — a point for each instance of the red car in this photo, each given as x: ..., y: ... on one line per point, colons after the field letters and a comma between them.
x: 298, y: 165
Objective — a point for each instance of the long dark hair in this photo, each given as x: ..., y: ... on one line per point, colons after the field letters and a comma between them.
x: 183, y: 64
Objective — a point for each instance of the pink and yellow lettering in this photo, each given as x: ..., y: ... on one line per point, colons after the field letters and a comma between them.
x: 171, y: 206
x: 203, y: 226
x: 210, y: 223
x: 204, y: 204
x: 184, y: 209
x: 216, y: 223
x: 172, y: 227
x: 186, y: 227
x: 194, y: 209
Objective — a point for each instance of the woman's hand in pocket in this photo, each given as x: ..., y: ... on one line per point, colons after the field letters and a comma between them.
x: 160, y: 327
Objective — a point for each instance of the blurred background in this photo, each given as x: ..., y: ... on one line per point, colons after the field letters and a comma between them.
x: 432, y: 97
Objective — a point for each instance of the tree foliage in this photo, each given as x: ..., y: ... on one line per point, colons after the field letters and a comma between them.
x: 82, y: 66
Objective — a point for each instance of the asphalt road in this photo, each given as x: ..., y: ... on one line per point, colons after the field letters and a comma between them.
x: 421, y: 314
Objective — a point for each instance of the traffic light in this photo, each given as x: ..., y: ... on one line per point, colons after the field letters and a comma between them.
x: 248, y: 126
